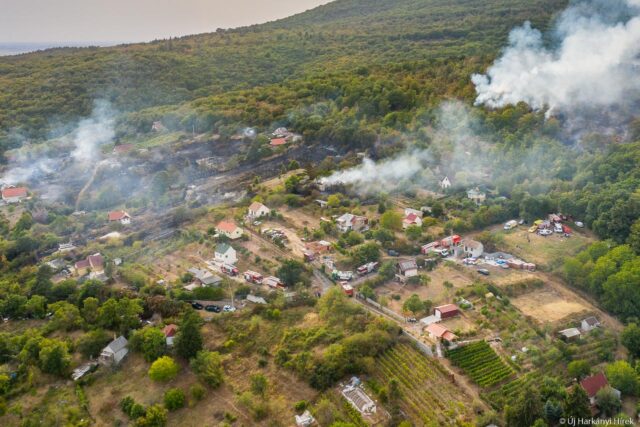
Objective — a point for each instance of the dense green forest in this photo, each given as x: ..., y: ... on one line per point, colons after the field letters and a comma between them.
x: 441, y: 39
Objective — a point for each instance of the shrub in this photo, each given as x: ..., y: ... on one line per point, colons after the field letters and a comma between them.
x: 207, y: 365
x: 174, y: 399
x: 164, y: 369
x: 197, y: 391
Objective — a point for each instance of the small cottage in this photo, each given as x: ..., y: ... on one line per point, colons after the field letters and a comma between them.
x: 225, y: 254
x: 113, y: 353
x: 257, y: 210
x: 229, y: 229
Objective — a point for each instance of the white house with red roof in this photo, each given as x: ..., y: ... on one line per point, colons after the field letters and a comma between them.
x: 229, y: 229
x: 121, y: 216
x: 276, y: 142
x: 170, y: 332
x: 593, y: 384
x: 439, y: 332
x: 14, y: 194
x: 411, y: 219
x: 93, y: 264
x: 257, y: 210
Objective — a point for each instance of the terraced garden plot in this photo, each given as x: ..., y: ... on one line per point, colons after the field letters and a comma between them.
x: 481, y: 363
x: 428, y: 393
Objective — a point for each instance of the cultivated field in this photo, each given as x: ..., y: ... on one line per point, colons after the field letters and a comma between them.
x: 428, y: 392
x: 481, y: 363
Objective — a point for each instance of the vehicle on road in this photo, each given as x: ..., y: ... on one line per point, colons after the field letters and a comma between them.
x: 197, y: 305
x: 228, y: 309
x: 213, y: 308
x: 483, y: 271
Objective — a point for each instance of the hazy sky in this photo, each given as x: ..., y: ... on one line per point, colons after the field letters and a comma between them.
x: 133, y: 20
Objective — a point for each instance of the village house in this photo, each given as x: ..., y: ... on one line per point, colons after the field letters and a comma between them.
x: 406, y: 269
x: 13, y: 194
x: 589, y: 324
x: 593, y: 384
x: 93, y: 263
x: 350, y: 222
x: 438, y: 332
x: 305, y: 420
x: 229, y: 229
x: 411, y: 219
x: 204, y: 277
x: 276, y: 142
x: 114, y: 352
x: 570, y: 334
x: 225, y: 254
x: 257, y: 210
x: 476, y: 196
x: 157, y: 126
x: 256, y: 299
x: 356, y: 396
x: 169, y: 332
x: 446, y: 311
x: 445, y: 183
x: 66, y: 247
x: 120, y: 216
x: 318, y: 248
x: 472, y: 248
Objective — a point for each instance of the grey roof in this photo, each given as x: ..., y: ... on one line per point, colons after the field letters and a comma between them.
x: 591, y: 321
x: 117, y: 344
x: 407, y: 265
x: 222, y: 248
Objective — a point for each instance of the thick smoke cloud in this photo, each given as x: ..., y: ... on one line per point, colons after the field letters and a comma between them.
x: 83, y: 143
x: 592, y: 61
x: 94, y: 132
x: 456, y: 150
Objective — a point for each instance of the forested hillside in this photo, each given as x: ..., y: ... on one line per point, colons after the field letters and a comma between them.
x: 41, y: 89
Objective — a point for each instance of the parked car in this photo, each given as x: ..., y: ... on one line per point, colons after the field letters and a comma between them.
x: 391, y: 252
x: 545, y: 232
x: 470, y: 261
x: 228, y: 309
x: 483, y: 271
x: 533, y: 229
x: 213, y: 308
x: 197, y: 305
x: 412, y: 320
x: 579, y: 224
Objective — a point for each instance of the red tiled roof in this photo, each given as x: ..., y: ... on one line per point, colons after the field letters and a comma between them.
x: 95, y: 261
x: 255, y: 206
x: 594, y: 384
x: 117, y: 215
x: 447, y: 308
x: 170, y: 330
x: 278, y: 141
x: 437, y: 330
x: 14, y: 192
x: 84, y: 263
x: 411, y: 218
x: 226, y: 226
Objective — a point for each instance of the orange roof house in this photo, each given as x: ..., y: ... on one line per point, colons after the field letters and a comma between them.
x: 278, y: 141
x: 229, y: 229
x: 440, y: 332
x: 121, y: 216
x: 13, y: 194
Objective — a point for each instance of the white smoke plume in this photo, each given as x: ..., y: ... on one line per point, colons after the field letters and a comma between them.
x: 370, y: 177
x: 456, y: 150
x: 592, y: 62
x: 93, y: 132
x: 33, y: 162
